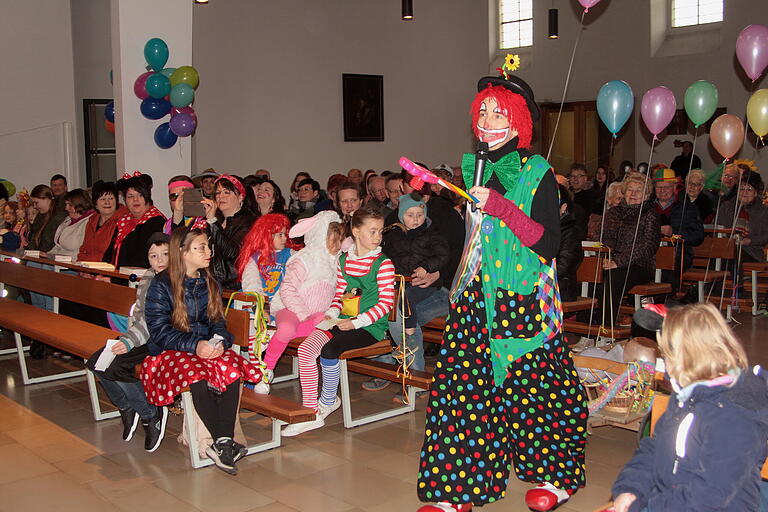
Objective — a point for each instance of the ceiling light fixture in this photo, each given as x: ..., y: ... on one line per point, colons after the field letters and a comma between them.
x: 407, y: 9
x: 553, y: 32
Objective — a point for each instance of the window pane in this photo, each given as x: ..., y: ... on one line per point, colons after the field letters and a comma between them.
x: 516, y: 23
x: 696, y: 12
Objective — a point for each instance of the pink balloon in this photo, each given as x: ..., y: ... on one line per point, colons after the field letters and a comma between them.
x: 183, y: 110
x: 588, y: 3
x: 658, y: 109
x: 140, y: 86
x: 752, y: 50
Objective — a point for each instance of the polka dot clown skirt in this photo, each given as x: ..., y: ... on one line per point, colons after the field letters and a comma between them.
x: 165, y: 376
x: 475, y: 430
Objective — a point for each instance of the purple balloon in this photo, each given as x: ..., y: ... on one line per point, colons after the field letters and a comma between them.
x: 658, y: 109
x: 752, y: 50
x: 140, y: 86
x: 183, y: 125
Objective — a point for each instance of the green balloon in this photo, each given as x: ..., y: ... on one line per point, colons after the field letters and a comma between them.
x: 167, y: 72
x: 700, y: 102
x: 156, y: 53
x: 182, y: 95
x: 185, y: 75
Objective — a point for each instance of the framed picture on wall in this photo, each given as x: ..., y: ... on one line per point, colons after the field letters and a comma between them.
x: 681, y: 125
x: 363, y: 101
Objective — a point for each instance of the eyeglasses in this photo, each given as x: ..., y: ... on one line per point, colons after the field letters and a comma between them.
x: 695, y: 184
x: 173, y: 197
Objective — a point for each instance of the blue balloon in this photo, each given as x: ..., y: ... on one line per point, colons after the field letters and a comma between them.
x: 156, y: 53
x: 155, y: 108
x: 615, y: 103
x: 109, y: 112
x: 158, y: 85
x: 164, y: 137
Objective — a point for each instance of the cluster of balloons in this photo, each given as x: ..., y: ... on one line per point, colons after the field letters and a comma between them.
x: 164, y: 91
x: 615, y: 101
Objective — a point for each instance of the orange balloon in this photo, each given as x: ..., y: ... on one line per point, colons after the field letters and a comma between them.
x: 109, y: 125
x: 727, y: 135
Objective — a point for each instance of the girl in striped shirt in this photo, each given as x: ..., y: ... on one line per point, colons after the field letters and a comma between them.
x: 365, y: 289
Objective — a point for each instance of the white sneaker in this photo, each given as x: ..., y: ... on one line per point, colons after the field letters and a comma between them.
x: 262, y: 388
x: 304, y: 426
x: 323, y: 411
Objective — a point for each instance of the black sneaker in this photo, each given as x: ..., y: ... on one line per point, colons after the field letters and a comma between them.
x: 222, y: 454
x: 154, y: 431
x: 240, y: 451
x: 130, y: 422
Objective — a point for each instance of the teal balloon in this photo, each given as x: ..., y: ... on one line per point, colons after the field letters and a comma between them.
x: 158, y: 85
x: 167, y: 72
x: 615, y: 103
x: 156, y: 53
x: 700, y: 102
x: 182, y: 95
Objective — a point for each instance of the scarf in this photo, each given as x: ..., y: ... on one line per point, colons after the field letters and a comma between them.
x: 127, y: 223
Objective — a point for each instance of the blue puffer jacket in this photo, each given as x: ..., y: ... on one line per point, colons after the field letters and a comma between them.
x: 706, y: 451
x: 158, y: 310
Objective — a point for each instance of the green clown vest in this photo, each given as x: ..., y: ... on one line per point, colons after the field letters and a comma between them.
x: 368, y: 297
x: 522, y: 301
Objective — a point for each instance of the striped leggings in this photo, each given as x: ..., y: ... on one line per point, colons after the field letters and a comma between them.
x: 327, y: 345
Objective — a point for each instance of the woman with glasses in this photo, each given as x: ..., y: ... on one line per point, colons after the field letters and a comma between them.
x: 750, y: 217
x: 229, y: 218
x: 694, y: 188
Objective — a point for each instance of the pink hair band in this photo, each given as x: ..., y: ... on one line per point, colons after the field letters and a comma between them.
x: 180, y: 183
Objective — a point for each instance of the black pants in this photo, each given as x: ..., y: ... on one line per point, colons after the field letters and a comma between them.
x: 613, y: 286
x: 341, y: 341
x: 217, y: 410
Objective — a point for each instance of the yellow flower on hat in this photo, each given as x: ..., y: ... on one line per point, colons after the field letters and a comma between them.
x: 512, y: 62
x: 748, y: 163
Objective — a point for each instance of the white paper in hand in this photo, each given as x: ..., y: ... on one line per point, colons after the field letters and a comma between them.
x: 215, y: 341
x: 327, y: 324
x: 107, y: 356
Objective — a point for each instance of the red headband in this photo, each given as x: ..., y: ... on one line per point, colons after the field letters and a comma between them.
x: 234, y: 181
x: 180, y: 183
x: 127, y: 175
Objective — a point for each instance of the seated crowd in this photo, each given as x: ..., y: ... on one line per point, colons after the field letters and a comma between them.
x: 325, y: 261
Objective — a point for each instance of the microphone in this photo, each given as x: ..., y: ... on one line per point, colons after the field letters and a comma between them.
x: 481, y: 157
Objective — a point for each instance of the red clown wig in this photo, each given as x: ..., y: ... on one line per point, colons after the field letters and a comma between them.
x: 259, y: 240
x: 511, y: 105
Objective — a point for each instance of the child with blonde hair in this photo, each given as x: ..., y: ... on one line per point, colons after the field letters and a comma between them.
x: 708, y: 447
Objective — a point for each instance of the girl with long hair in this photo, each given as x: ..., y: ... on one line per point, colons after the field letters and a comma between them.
x: 189, y: 344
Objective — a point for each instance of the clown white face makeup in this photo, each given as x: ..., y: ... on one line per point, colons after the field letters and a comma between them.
x: 493, y: 125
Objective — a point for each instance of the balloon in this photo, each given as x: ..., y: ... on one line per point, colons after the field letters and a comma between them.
x: 752, y: 50
x: 154, y: 108
x: 156, y: 53
x: 167, y: 72
x: 182, y: 95
x: 700, y: 102
x: 158, y: 85
x: 185, y: 75
x: 140, y: 86
x: 109, y: 112
x: 727, y: 135
x: 757, y: 112
x: 658, y: 109
x: 184, y: 110
x: 109, y: 125
x: 164, y: 137
x: 183, y: 125
x: 588, y: 3
x: 615, y: 103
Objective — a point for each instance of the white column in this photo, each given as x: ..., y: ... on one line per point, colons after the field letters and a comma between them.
x: 134, y: 22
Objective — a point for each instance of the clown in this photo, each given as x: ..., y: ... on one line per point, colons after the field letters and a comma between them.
x: 505, y: 391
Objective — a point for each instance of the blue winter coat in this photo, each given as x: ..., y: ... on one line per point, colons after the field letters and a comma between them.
x: 159, y: 307
x: 707, y: 461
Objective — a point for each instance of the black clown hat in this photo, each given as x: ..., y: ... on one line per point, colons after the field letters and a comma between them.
x: 517, y: 86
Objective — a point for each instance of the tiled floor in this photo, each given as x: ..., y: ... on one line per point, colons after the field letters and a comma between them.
x: 53, y: 456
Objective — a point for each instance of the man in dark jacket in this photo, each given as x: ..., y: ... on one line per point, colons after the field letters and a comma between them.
x: 678, y: 218
x: 571, y: 254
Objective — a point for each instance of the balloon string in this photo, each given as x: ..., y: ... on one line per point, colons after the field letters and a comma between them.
x: 685, y: 183
x: 567, y: 81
